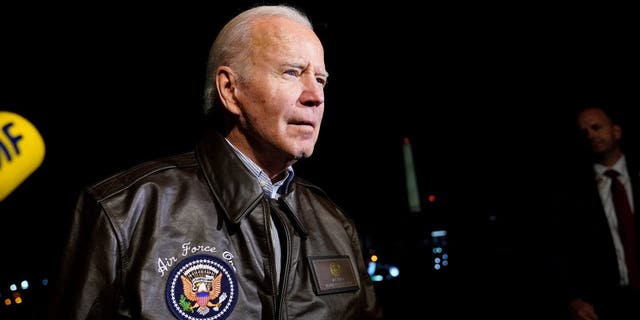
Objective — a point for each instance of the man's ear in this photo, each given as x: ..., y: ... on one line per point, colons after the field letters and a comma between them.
x: 226, y: 83
x: 617, y: 131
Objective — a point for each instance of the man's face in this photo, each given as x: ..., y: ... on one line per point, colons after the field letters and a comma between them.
x: 281, y: 95
x: 601, y: 134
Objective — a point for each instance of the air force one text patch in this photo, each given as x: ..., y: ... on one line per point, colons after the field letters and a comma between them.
x: 202, y: 287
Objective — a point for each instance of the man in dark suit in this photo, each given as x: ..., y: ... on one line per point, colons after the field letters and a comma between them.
x: 602, y: 252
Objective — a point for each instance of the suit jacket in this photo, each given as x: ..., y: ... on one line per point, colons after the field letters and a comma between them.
x: 592, y: 268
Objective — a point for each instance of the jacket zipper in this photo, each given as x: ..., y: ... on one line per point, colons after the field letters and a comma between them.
x: 284, y: 270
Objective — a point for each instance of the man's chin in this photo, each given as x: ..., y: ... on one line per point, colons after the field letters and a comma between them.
x: 303, y: 155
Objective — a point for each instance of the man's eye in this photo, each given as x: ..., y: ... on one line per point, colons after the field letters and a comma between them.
x: 292, y: 73
x: 322, y: 81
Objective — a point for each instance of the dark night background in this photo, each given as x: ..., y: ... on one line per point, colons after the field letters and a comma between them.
x: 485, y: 94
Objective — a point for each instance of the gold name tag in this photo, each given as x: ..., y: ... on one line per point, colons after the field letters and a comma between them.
x: 332, y: 274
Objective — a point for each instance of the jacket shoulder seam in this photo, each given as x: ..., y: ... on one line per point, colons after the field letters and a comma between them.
x: 124, y: 179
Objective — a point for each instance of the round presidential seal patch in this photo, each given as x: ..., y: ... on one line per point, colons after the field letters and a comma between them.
x: 202, y: 287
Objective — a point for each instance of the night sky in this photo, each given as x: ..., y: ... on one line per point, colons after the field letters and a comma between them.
x: 485, y: 94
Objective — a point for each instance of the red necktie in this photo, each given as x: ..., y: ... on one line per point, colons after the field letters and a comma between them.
x: 626, y: 226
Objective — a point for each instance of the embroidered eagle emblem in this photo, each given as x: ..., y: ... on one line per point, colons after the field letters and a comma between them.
x: 202, y: 287
x: 201, y: 292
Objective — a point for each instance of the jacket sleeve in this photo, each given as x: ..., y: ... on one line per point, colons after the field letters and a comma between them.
x: 88, y: 282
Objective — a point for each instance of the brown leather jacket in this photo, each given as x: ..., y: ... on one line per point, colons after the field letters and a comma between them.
x: 187, y: 237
